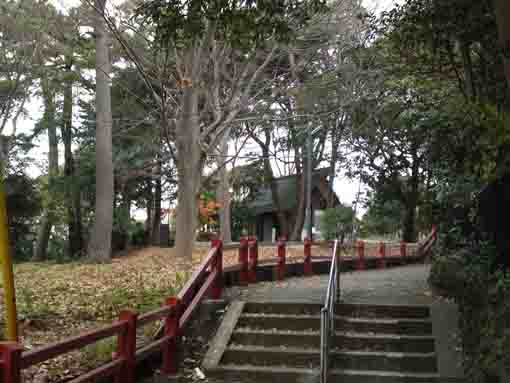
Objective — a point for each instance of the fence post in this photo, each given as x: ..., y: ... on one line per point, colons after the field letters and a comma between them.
x: 243, y: 261
x: 360, y: 265
x: 280, y: 264
x: 381, y: 262
x: 253, y: 256
x: 217, y: 266
x: 126, y: 348
x: 308, y: 257
x: 169, y: 363
x: 403, y: 250
x: 11, y: 358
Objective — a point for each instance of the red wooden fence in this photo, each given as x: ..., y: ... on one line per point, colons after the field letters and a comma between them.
x: 176, y: 312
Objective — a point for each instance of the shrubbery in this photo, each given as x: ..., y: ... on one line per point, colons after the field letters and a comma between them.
x: 483, y: 294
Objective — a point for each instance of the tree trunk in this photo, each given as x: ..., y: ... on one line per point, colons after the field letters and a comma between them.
x: 502, y: 8
x: 72, y: 189
x: 409, y: 224
x: 300, y: 214
x: 43, y: 235
x: 335, y: 143
x: 223, y: 193
x: 101, y: 236
x: 156, y: 222
x: 189, y: 168
x: 409, y: 233
x: 126, y: 217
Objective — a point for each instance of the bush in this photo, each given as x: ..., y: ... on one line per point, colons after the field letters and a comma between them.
x: 336, y: 222
x: 483, y: 295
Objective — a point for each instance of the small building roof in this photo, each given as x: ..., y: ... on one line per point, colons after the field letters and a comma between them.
x: 262, y: 201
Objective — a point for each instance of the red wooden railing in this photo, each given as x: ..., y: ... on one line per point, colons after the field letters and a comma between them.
x: 176, y: 313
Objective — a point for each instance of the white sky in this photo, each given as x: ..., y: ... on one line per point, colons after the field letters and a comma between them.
x: 346, y: 189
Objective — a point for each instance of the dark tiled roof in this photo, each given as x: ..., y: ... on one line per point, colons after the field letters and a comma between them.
x: 262, y: 201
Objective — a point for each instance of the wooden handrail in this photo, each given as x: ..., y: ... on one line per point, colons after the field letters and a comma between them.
x: 155, y: 315
x: 198, y: 297
x: 41, y: 354
x: 187, y: 290
x: 104, y: 371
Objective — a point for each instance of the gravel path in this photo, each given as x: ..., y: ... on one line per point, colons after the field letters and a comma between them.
x: 399, y: 285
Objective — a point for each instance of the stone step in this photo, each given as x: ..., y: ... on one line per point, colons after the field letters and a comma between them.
x: 277, y: 374
x: 283, y: 308
x: 383, y: 311
x: 405, y: 326
x: 342, y: 341
x: 343, y: 309
x: 310, y: 358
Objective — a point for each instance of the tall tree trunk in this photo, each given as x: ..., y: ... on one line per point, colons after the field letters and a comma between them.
x: 335, y: 143
x: 409, y: 233
x: 101, y: 236
x: 468, y: 70
x: 280, y: 215
x: 72, y: 189
x: 301, y: 207
x: 156, y: 222
x: 503, y: 20
x: 189, y: 168
x: 43, y: 234
x: 223, y: 193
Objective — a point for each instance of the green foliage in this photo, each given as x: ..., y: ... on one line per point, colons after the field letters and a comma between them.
x: 101, y: 351
x: 23, y: 207
x: 242, y: 218
x: 337, y: 221
x: 383, y: 217
x: 244, y: 24
x: 483, y: 294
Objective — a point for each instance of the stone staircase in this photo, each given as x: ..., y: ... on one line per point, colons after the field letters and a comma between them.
x: 280, y: 342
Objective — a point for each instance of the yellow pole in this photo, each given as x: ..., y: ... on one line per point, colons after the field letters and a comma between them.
x: 7, y: 273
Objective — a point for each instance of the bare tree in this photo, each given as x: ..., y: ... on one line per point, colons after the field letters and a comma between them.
x: 100, y: 242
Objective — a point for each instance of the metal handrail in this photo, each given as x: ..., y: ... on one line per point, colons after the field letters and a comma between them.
x: 328, y: 311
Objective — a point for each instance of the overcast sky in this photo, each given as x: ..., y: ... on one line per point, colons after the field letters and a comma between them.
x: 345, y: 188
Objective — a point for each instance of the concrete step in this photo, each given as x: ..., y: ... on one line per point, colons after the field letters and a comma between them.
x: 383, y: 311
x: 404, y: 326
x: 310, y: 358
x: 276, y: 374
x: 283, y: 308
x: 341, y: 341
x: 343, y: 309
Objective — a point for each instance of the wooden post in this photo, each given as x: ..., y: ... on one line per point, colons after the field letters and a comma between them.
x: 217, y: 266
x: 307, y: 266
x: 253, y: 257
x: 243, y: 261
x: 280, y: 265
x: 381, y: 261
x: 126, y: 348
x: 11, y: 361
x: 169, y: 363
x: 403, y: 250
x: 360, y: 265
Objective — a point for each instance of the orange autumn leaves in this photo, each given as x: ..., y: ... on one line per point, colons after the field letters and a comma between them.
x: 208, y: 210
